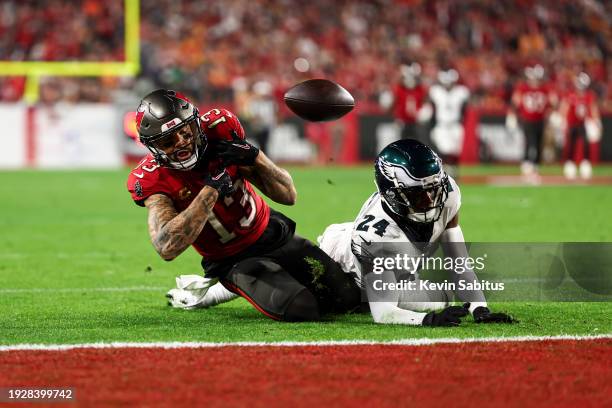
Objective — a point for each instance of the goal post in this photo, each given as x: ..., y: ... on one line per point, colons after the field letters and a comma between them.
x: 33, y: 70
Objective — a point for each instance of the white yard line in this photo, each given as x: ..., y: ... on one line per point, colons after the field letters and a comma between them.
x: 400, y: 342
x: 73, y: 290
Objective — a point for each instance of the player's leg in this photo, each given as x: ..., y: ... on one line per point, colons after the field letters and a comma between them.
x: 528, y: 165
x: 585, y: 165
x: 538, y: 131
x: 272, y: 290
x: 335, y: 290
x: 569, y: 168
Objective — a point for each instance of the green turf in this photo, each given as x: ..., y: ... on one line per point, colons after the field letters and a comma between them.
x: 67, y: 237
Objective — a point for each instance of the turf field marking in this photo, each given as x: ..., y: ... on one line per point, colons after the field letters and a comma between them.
x: 75, y: 290
x: 61, y: 255
x: 333, y: 343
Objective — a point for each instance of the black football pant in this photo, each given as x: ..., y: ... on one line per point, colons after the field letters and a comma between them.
x: 534, y: 135
x: 296, y: 282
x: 575, y: 133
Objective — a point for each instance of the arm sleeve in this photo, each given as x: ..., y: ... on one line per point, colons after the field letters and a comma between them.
x: 384, y: 308
x: 453, y: 245
x: 387, y: 311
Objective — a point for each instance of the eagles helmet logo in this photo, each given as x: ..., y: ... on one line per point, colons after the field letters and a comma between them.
x: 386, y: 169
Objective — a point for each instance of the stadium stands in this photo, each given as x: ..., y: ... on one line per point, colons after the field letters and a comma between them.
x: 204, y: 47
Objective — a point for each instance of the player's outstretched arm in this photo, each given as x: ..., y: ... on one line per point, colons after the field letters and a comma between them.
x: 172, y: 232
x: 453, y: 245
x: 275, y: 182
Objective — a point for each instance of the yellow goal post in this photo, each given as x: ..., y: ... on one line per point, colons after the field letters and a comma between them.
x: 34, y: 70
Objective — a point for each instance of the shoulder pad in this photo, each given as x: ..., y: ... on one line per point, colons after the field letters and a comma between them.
x: 145, y: 180
x: 218, y: 124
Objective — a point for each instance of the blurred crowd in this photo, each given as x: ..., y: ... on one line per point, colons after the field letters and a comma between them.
x: 215, y: 50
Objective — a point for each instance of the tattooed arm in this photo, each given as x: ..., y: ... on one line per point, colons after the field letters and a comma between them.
x: 273, y: 181
x: 172, y: 232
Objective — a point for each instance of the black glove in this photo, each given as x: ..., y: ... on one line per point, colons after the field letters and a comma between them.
x: 451, y: 316
x: 237, y: 151
x: 483, y: 315
x: 222, y: 182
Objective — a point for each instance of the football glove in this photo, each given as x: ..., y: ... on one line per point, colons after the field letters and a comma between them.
x: 451, y: 316
x: 483, y: 315
x: 222, y: 182
x: 237, y: 151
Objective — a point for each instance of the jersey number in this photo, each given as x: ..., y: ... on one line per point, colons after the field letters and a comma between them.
x: 245, y: 222
x: 206, y: 118
x: 379, y: 227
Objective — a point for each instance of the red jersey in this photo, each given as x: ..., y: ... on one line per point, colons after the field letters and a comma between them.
x: 579, y: 104
x: 532, y: 102
x: 236, y: 221
x: 407, y: 102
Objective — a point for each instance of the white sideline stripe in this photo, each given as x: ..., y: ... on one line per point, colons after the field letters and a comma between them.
x: 399, y: 342
x: 71, y: 290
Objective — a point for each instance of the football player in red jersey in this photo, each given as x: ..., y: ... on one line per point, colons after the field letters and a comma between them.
x: 531, y: 100
x: 196, y: 184
x: 408, y: 98
x: 581, y: 119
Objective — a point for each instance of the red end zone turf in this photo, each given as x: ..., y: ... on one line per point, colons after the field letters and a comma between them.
x: 544, y: 373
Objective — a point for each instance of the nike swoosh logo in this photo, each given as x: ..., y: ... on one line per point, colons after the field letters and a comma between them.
x: 139, y: 175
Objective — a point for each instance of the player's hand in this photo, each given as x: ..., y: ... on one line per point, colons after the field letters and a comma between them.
x: 483, y: 315
x: 236, y: 151
x: 511, y: 121
x: 222, y: 182
x: 451, y: 316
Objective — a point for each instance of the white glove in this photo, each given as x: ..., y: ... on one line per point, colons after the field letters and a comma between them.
x: 593, y: 130
x: 511, y: 122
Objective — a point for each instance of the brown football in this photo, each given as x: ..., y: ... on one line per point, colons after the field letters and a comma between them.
x: 319, y: 100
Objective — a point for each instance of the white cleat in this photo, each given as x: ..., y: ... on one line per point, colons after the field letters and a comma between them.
x: 586, y: 171
x: 569, y: 170
x: 527, y: 168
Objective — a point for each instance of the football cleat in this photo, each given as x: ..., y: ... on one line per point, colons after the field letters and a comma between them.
x: 189, y: 292
x: 569, y: 170
x: 586, y: 171
x: 527, y: 168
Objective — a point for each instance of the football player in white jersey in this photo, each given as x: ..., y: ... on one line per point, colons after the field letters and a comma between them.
x: 448, y: 100
x: 415, y: 209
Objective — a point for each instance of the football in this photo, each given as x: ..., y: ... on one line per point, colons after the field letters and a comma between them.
x: 319, y: 100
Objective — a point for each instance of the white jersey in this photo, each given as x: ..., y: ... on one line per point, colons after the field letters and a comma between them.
x: 447, y: 133
x: 448, y: 102
x: 344, y: 242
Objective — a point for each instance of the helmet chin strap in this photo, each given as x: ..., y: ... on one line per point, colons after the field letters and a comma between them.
x: 164, y: 159
x: 185, y: 164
